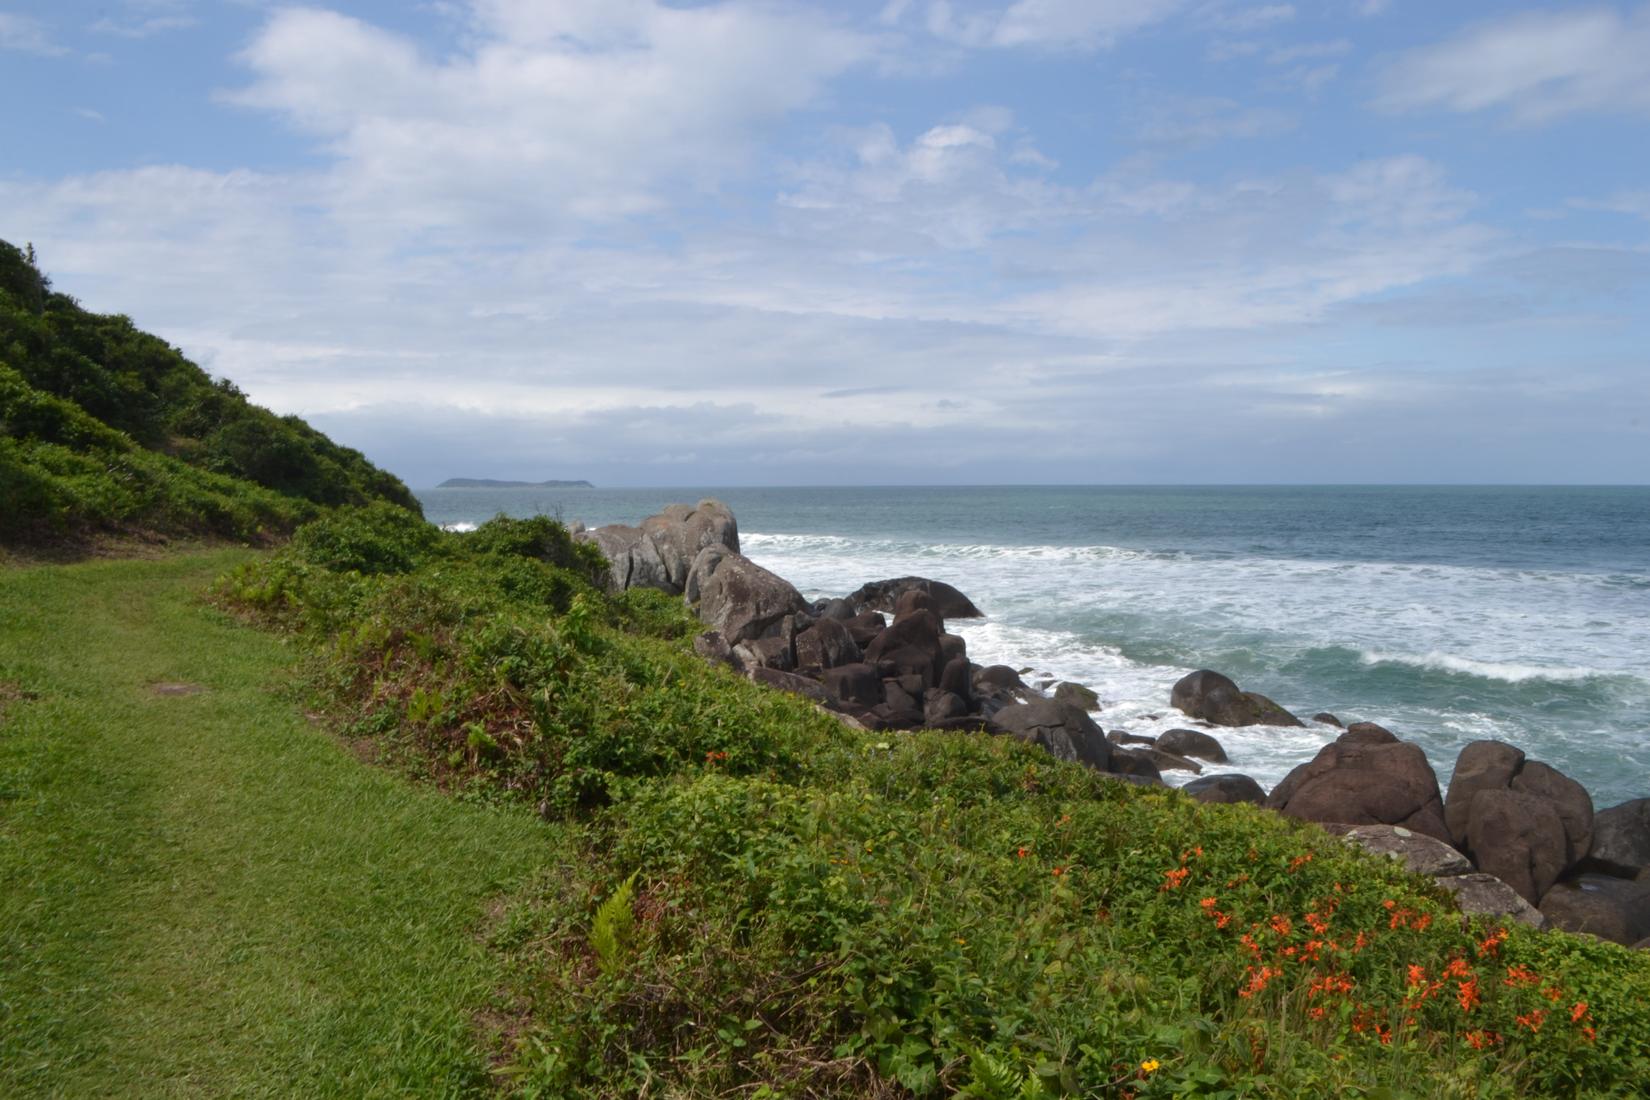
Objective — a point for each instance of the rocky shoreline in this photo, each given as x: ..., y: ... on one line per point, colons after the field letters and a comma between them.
x: 1510, y: 836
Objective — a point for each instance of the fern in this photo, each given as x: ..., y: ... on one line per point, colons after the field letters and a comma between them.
x: 992, y: 1078
x: 611, y: 928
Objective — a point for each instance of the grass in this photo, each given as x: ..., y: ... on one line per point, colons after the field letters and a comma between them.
x: 205, y: 894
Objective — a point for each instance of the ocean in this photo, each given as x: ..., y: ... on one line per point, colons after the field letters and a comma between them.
x: 1446, y: 614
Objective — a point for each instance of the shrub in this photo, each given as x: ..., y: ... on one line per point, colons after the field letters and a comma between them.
x: 379, y: 538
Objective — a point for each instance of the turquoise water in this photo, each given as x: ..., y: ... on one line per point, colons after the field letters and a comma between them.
x: 1445, y: 613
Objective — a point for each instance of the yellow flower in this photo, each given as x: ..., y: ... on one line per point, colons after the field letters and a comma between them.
x: 1150, y: 1065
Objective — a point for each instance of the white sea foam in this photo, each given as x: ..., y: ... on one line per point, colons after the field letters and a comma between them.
x: 1507, y: 672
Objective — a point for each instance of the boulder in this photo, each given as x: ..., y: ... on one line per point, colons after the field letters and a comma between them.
x: 614, y: 541
x: 1166, y: 761
x: 744, y: 601
x: 1621, y: 838
x: 1077, y: 695
x: 1216, y: 699
x: 789, y: 681
x: 1226, y: 788
x: 939, y: 705
x: 1192, y: 743
x: 1569, y: 798
x: 1424, y: 855
x: 714, y: 648
x: 1482, y: 765
x: 858, y: 685
x: 897, y: 698
x: 677, y: 534
x: 1360, y: 783
x: 953, y: 646
x: 1541, y: 829
x: 865, y: 627
x: 826, y: 644
x: 1368, y: 733
x: 916, y: 599
x: 1614, y: 909
x: 1124, y: 737
x: 1323, y: 717
x: 1478, y: 894
x: 912, y: 644
x: 956, y: 677
x: 1067, y: 732
x: 838, y: 609
x: 775, y: 651
x: 704, y: 565
x: 999, y: 676
x: 1137, y: 767
x: 1518, y: 838
x: 883, y: 595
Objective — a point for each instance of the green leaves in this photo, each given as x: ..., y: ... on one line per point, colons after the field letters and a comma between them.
x: 612, y: 925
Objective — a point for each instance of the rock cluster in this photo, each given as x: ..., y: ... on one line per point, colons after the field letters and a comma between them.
x: 1513, y: 836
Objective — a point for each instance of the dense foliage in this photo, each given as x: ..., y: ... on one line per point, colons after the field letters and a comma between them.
x: 765, y: 902
x: 105, y: 428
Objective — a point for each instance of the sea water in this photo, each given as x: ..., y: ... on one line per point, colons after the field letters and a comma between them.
x: 1446, y: 614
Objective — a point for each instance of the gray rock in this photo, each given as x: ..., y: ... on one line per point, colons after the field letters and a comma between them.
x: 1614, y: 909
x: 1168, y: 761
x: 857, y: 684
x: 1323, y: 717
x: 1137, y: 767
x: 938, y: 706
x: 1192, y: 743
x: 1067, y: 732
x: 1479, y: 894
x: 1621, y: 838
x: 1214, y: 698
x: 1569, y: 798
x: 789, y: 682
x: 1124, y: 737
x: 883, y: 595
x: 826, y: 644
x: 1424, y: 855
x: 680, y: 531
x: 1226, y: 788
x: 1077, y: 695
x: 704, y: 565
x: 714, y: 648
x: 744, y: 601
x: 1368, y: 733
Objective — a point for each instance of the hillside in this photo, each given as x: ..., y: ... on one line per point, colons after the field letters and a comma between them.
x: 108, y: 430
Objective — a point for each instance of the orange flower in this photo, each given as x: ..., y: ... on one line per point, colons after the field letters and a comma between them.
x: 1520, y: 975
x: 1492, y: 945
x: 1361, y: 942
x: 1209, y: 904
x: 1317, y: 923
x: 1058, y: 871
x: 1577, y: 1011
x: 1417, y: 975
x: 1457, y: 968
x: 1553, y: 994
x: 1280, y: 925
x: 1258, y: 977
x: 1482, y: 1040
x: 1299, y: 861
x: 1023, y: 851
x: 1467, y: 994
x: 1172, y: 880
x: 1588, y: 1033
x: 1533, y: 1020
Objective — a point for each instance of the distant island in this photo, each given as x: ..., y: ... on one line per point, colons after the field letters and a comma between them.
x: 490, y: 483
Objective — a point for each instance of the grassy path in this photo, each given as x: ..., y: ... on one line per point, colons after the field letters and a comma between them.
x: 202, y: 894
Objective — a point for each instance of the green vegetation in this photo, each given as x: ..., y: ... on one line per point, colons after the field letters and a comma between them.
x: 203, y: 894
x: 107, y: 430
x: 765, y: 902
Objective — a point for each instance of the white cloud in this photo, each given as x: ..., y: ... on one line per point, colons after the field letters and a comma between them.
x: 1173, y: 121
x: 27, y: 35
x: 1049, y: 24
x: 1635, y: 203
x: 572, y: 112
x: 1536, y: 66
x: 1245, y: 19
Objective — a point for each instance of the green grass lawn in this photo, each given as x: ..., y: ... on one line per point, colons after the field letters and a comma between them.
x: 204, y: 893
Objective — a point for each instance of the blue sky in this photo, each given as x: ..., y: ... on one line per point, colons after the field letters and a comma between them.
x: 907, y: 242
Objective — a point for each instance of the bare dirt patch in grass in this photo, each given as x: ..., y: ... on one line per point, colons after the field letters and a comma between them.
x: 169, y: 688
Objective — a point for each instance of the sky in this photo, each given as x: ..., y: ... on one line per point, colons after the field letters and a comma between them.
x: 902, y: 242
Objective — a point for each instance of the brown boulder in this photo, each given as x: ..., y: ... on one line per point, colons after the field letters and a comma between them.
x: 857, y: 684
x: 1614, y: 909
x: 1192, y: 743
x: 1360, y: 783
x: 826, y: 644
x: 882, y: 596
x: 744, y: 601
x: 1214, y: 698
x: 1518, y: 838
x: 1621, y: 838
x: 1226, y: 789
x: 1482, y: 765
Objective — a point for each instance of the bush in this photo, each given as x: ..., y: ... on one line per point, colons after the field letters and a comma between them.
x: 379, y: 538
